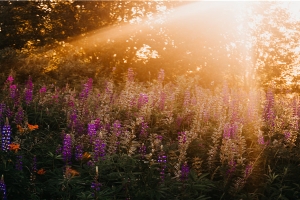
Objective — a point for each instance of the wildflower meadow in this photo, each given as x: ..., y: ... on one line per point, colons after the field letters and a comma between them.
x: 147, y: 140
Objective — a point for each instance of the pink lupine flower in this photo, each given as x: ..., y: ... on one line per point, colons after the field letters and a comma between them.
x: 43, y: 90
x: 143, y: 99
x: 261, y: 140
x: 10, y: 79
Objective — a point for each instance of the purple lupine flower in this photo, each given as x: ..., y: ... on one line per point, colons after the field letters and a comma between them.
x: 99, y: 150
x: 19, y: 163
x: 6, y: 134
x: 130, y: 75
x: 230, y: 130
x: 67, y: 149
x: 95, y: 186
x: 87, y: 87
x: 185, y: 170
x: 142, y: 150
x: 98, y: 124
x: 29, y: 91
x: 162, y: 161
x: 160, y: 137
x: 3, y: 188
x: 43, y: 90
x: 269, y: 113
x: 232, y: 167
x: 143, y: 99
x: 13, y: 91
x: 143, y: 133
x: 92, y: 129
x: 19, y: 116
x: 117, y: 128
x: 182, y: 137
x: 161, y: 75
x: 78, y: 152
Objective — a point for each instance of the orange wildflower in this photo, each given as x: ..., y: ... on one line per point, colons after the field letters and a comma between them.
x: 20, y: 129
x: 14, y: 147
x: 71, y: 172
x: 32, y: 127
x: 86, y: 156
x: 41, y: 171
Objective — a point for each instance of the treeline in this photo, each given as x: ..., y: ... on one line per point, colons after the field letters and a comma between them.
x: 62, y: 40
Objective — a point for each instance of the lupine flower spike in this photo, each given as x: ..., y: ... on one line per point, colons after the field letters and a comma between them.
x: 6, y: 134
x: 3, y: 188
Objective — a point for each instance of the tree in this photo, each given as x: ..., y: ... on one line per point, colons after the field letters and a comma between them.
x: 275, y: 38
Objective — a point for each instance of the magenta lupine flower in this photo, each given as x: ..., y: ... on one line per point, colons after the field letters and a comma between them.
x: 19, y: 163
x: 12, y: 91
x: 130, y: 75
x: 161, y: 76
x: 143, y: 133
x: 99, y: 150
x: 19, y: 116
x: 10, y: 79
x: 143, y: 99
x: 78, y: 152
x: 29, y: 91
x: 185, y: 170
x: 43, y: 90
x: 6, y: 134
x: 67, y: 149
x: 162, y: 161
x: 3, y: 188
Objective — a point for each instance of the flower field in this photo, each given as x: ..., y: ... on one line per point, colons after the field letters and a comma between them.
x: 154, y: 140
